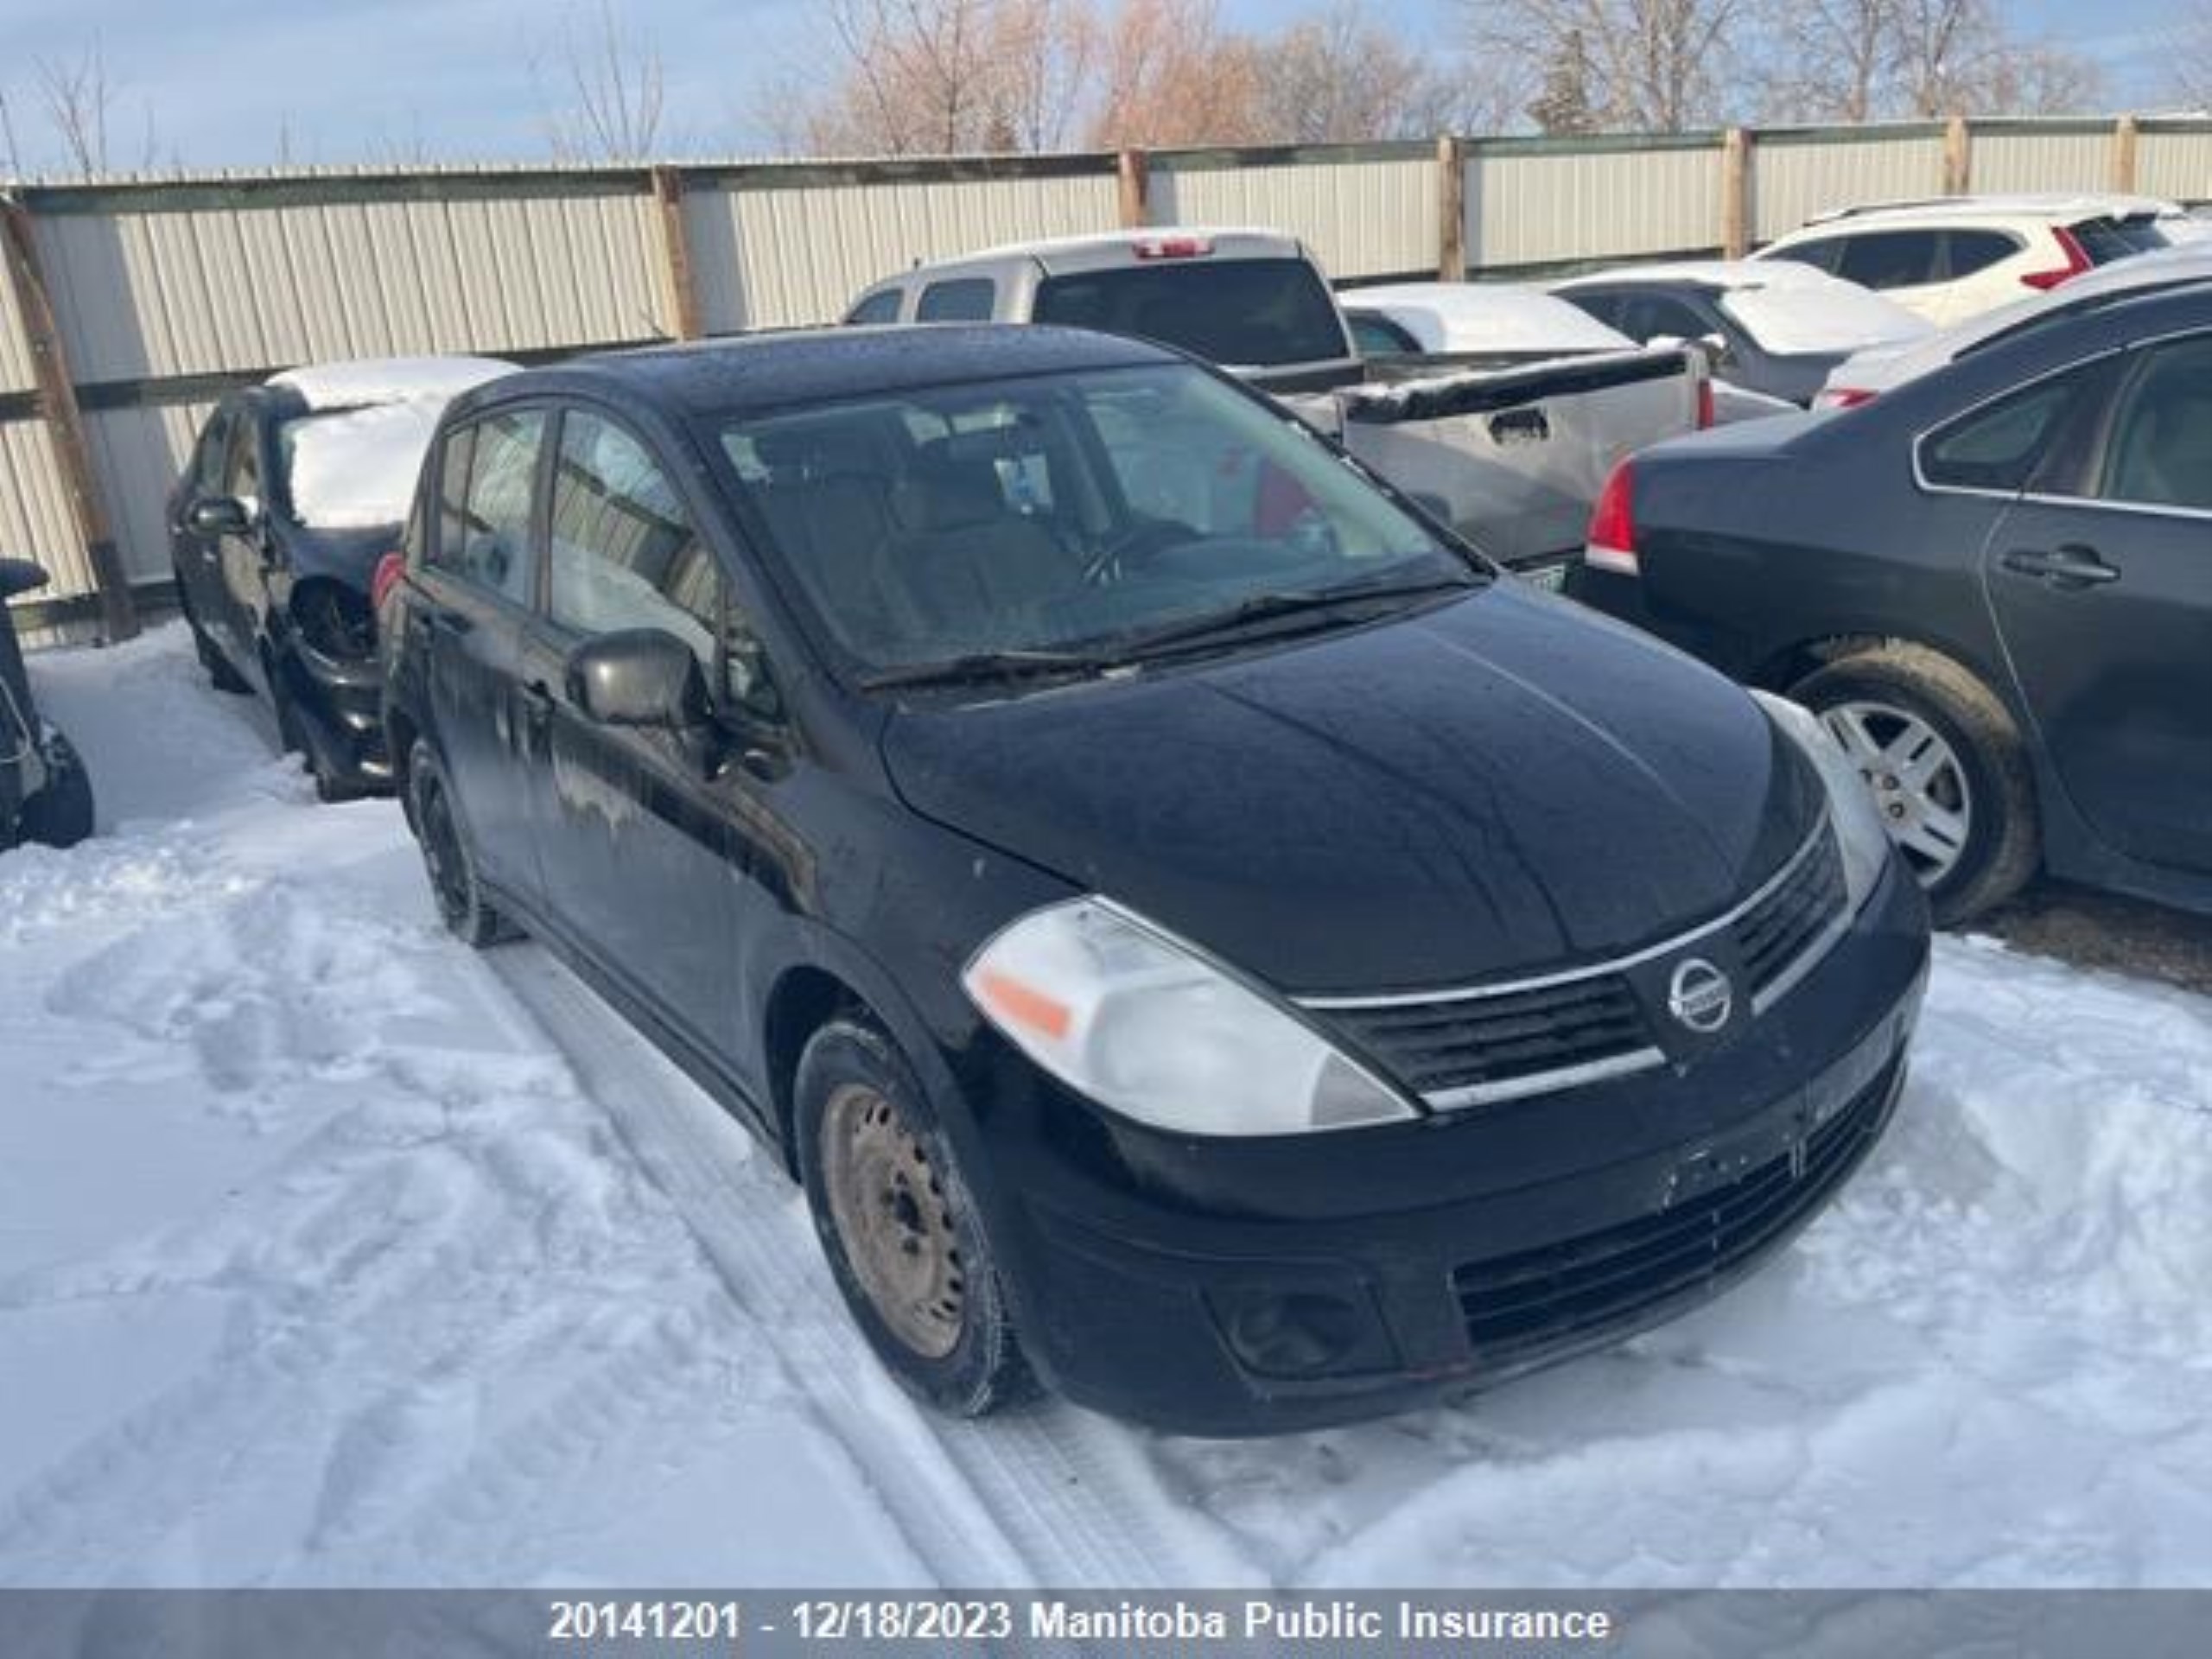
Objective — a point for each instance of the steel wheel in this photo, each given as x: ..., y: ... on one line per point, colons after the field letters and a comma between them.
x: 1917, y: 782
x: 890, y: 1209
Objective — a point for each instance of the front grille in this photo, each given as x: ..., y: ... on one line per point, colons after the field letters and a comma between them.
x: 1487, y: 1043
x: 1536, y: 1298
x: 1790, y: 919
x: 1477, y: 1046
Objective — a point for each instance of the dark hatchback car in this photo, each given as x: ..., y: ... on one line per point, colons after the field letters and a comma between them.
x: 294, y: 490
x: 1994, y: 583
x: 1251, y: 977
x: 46, y: 795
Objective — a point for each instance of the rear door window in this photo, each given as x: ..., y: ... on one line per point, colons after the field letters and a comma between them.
x: 1880, y: 259
x: 2160, y: 455
x: 1966, y: 252
x: 488, y: 484
x: 963, y: 299
x: 1823, y: 253
x: 1242, y: 313
x: 876, y: 309
x: 1377, y: 336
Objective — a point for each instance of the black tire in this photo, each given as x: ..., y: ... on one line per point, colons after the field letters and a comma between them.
x: 221, y: 674
x: 2003, y: 846
x: 447, y: 856
x: 60, y: 815
x: 953, y: 1345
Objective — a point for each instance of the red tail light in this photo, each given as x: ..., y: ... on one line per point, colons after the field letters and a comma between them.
x: 389, y: 569
x: 1843, y: 398
x: 1611, y: 542
x: 1704, y: 404
x: 1173, y: 247
x: 2077, y: 261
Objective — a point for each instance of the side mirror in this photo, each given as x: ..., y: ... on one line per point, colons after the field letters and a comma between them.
x: 19, y: 576
x: 1719, y: 354
x: 639, y: 676
x: 219, y: 514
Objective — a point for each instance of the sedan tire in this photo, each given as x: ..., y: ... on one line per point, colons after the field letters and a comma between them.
x: 60, y: 815
x: 900, y: 1229
x: 1947, y: 768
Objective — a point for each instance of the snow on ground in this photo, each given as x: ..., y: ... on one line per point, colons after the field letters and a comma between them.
x: 333, y: 1253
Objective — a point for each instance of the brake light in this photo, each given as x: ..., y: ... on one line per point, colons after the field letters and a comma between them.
x: 1843, y: 398
x: 389, y: 569
x: 1610, y: 544
x: 2077, y: 261
x: 1173, y: 247
x: 1705, y: 415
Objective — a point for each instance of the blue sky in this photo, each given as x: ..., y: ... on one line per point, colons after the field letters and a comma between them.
x: 351, y: 80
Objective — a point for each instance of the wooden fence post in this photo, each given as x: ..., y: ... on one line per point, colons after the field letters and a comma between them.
x: 1735, y: 193
x: 1958, y: 158
x: 2123, y: 154
x: 1451, y: 210
x: 675, y: 253
x: 1133, y: 178
x: 57, y: 403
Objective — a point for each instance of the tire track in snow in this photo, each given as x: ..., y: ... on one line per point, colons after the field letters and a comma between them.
x: 1047, y: 1494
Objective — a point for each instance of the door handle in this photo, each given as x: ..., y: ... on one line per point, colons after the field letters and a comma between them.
x: 2068, y: 568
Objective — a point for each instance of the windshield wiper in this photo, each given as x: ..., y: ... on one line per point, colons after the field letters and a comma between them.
x: 984, y: 666
x: 1295, y: 601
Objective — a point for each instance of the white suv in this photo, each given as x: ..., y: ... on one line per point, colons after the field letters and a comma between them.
x: 1960, y: 255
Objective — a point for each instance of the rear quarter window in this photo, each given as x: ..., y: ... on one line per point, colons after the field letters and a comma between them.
x: 1881, y: 259
x: 2004, y: 445
x: 1966, y: 252
x: 878, y: 307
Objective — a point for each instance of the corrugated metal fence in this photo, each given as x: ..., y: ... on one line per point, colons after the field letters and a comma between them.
x: 165, y: 295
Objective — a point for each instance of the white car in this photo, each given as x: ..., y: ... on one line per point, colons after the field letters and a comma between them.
x: 1957, y: 257
x: 1779, y: 327
x: 1866, y: 375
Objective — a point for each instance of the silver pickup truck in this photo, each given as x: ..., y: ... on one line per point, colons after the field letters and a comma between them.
x: 1512, y: 453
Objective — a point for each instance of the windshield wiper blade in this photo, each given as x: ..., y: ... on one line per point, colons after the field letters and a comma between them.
x: 1268, y: 607
x: 984, y: 666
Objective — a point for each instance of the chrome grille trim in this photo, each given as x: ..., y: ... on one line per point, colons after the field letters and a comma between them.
x: 1644, y: 1057
x: 1594, y: 971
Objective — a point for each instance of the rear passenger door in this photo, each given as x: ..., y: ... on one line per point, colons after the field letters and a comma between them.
x: 639, y: 831
x: 2100, y: 581
x: 1905, y: 266
x: 478, y: 588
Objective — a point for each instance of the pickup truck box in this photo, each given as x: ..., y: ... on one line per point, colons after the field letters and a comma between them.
x: 1512, y: 453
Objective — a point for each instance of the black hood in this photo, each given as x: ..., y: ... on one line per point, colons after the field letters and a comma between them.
x: 1501, y: 783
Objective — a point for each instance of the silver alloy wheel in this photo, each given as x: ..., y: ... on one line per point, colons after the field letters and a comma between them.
x: 893, y: 1220
x: 1917, y: 782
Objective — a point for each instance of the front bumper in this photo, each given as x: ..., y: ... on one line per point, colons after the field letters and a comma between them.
x: 338, y: 711
x: 1224, y: 1289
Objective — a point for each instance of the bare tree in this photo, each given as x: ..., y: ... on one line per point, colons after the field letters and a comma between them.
x: 1172, y: 72
x: 947, y: 76
x: 1341, y: 77
x: 2188, y: 55
x: 11, y: 149
x: 77, y: 96
x: 1835, y: 60
x: 606, y: 94
x: 1653, y: 65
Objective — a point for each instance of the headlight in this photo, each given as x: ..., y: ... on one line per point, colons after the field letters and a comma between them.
x: 1148, y: 1027
x: 1864, y: 842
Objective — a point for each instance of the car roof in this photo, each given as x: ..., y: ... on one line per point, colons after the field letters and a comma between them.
x: 1938, y: 209
x: 749, y: 374
x: 1111, y: 248
x: 1707, y: 273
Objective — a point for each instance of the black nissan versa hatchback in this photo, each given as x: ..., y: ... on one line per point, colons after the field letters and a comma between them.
x: 1251, y: 978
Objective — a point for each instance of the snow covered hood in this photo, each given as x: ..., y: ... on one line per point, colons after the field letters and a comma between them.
x: 352, y: 459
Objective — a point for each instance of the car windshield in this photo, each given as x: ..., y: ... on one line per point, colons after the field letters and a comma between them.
x: 1090, y: 518
x: 1242, y: 313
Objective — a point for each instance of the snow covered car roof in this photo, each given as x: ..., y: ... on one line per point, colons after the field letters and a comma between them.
x: 351, y: 457
x: 1486, y: 316
x: 1880, y: 368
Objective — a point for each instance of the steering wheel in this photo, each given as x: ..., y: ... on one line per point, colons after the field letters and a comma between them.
x: 1146, y: 539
